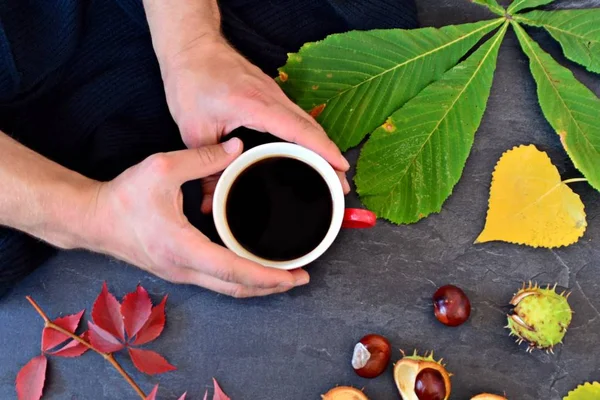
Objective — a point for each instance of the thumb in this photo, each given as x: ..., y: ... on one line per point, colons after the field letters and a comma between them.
x: 192, y: 164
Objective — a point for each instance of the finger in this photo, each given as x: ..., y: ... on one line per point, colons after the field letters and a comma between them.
x: 344, y: 180
x: 186, y: 275
x: 300, y: 275
x: 223, y: 264
x: 300, y: 112
x: 279, y: 94
x: 287, y: 102
x: 295, y: 108
x: 208, y: 190
x: 303, y: 114
x: 191, y: 164
x: 287, y: 125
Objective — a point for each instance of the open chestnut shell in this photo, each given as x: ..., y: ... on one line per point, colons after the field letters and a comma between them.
x: 488, y: 396
x: 422, y: 378
x: 344, y: 393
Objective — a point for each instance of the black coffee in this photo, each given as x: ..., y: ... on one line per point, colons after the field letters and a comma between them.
x: 279, y: 209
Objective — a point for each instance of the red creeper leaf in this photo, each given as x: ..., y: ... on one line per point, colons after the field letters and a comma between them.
x: 154, y: 326
x: 30, y: 379
x: 205, y: 395
x: 182, y: 396
x: 73, y: 348
x: 136, y: 309
x: 149, y: 362
x: 152, y: 395
x: 102, y: 340
x: 106, y: 313
x: 52, y: 338
x: 219, y: 394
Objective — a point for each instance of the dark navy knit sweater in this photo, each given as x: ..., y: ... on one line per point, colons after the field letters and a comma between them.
x: 80, y: 83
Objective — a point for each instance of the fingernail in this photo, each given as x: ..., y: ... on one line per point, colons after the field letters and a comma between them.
x: 232, y: 145
x: 302, y: 281
x: 346, y: 185
x: 345, y: 163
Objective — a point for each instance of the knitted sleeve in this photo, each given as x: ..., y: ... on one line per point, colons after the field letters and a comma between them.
x: 36, y: 38
x: 9, y: 77
x: 135, y: 10
x: 265, y: 31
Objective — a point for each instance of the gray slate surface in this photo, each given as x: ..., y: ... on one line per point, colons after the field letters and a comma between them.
x: 298, y: 345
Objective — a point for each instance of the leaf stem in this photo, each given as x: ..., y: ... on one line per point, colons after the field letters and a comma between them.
x: 107, y: 356
x: 575, y: 180
x: 520, y: 18
x: 38, y: 309
x: 111, y: 359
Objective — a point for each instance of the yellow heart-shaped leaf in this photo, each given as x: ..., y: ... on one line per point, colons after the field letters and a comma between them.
x: 530, y: 205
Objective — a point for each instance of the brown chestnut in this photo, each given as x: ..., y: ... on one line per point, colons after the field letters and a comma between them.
x: 430, y: 385
x: 451, y: 305
x: 371, y: 356
x: 422, y: 378
x: 488, y: 396
x: 344, y: 393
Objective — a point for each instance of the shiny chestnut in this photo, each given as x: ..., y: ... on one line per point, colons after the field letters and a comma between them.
x: 451, y: 305
x: 422, y: 378
x: 371, y: 356
x: 430, y: 385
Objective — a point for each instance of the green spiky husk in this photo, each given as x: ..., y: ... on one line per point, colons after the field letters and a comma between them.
x: 427, y: 356
x: 587, y: 391
x: 415, y: 356
x: 541, y: 317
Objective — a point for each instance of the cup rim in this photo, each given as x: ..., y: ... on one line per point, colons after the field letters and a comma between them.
x: 262, y: 152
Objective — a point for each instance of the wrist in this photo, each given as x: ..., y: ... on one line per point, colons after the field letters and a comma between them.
x: 43, y: 198
x: 179, y: 25
x: 196, y: 50
x: 69, y: 220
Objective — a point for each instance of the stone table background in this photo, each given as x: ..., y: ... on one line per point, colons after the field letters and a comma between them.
x: 298, y: 345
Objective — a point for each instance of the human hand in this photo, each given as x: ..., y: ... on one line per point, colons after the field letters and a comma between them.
x: 139, y: 218
x: 212, y: 90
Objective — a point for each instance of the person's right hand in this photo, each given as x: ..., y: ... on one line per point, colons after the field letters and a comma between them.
x: 140, y: 220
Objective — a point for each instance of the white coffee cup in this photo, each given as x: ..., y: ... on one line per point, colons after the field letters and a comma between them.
x: 289, y: 150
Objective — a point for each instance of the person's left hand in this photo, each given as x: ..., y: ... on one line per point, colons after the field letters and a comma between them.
x: 212, y: 90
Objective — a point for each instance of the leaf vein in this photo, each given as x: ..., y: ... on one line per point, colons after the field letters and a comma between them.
x: 421, y: 56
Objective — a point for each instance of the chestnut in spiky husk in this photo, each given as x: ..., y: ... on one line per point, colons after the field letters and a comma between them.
x: 422, y: 378
x: 487, y: 396
x: 540, y: 317
x: 344, y: 393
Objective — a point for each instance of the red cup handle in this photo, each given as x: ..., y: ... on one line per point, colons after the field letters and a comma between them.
x: 358, y: 218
